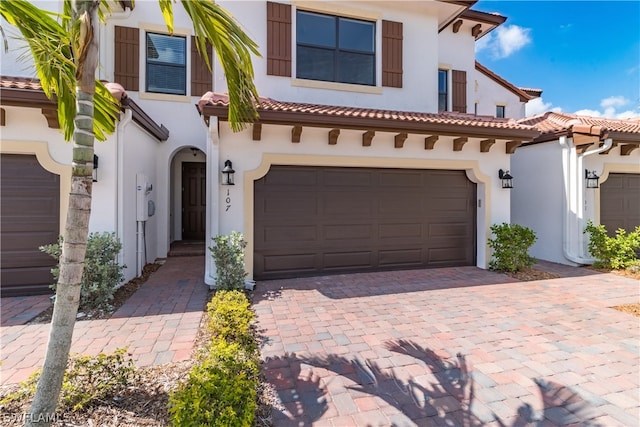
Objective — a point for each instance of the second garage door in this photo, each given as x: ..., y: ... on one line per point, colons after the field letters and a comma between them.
x: 620, y: 202
x: 30, y: 215
x: 323, y: 220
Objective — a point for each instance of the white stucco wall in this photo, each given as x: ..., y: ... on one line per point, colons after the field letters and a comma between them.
x: 538, y: 196
x: 250, y: 158
x: 489, y: 94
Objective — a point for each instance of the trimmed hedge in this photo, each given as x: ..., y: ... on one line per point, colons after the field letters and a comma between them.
x: 222, y: 387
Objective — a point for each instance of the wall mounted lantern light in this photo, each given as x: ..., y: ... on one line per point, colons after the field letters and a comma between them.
x: 227, y: 173
x: 95, y: 168
x: 591, y: 178
x: 507, y: 179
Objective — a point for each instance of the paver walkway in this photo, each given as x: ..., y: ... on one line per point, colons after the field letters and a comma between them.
x: 453, y: 346
x: 158, y: 323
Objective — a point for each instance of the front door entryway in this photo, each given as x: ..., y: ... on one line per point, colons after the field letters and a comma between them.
x: 194, y: 188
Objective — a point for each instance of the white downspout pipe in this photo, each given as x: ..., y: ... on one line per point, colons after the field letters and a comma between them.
x: 120, y: 140
x: 574, y: 199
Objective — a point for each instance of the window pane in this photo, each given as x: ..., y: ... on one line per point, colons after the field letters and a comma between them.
x: 356, y: 35
x: 315, y: 63
x: 316, y: 29
x: 356, y: 68
x: 167, y: 49
x: 166, y: 79
x: 442, y: 81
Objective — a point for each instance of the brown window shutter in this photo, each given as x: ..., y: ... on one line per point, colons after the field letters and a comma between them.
x: 127, y: 54
x: 391, y: 54
x: 278, y: 39
x: 201, y: 76
x: 459, y: 91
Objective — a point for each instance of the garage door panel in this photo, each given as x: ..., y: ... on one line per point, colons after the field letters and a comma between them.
x: 400, y: 257
x: 349, y: 204
x: 403, y: 204
x: 346, y: 232
x: 347, y: 178
x: 368, y: 219
x: 305, y: 233
x: 292, y: 177
x: 295, y: 203
x: 289, y: 262
x: 342, y: 260
x: 402, y: 179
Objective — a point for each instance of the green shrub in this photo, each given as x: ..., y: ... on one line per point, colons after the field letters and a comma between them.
x: 88, y: 379
x: 230, y: 318
x: 221, y: 391
x: 228, y: 255
x: 510, y: 247
x: 101, y: 274
x: 618, y: 252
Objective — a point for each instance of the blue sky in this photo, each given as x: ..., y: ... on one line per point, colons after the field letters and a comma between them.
x: 584, y: 55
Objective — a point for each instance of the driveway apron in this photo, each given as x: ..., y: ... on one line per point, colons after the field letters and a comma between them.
x: 451, y: 346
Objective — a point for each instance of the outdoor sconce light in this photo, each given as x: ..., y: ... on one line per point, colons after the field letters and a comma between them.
x: 507, y: 180
x: 591, y: 178
x: 95, y: 168
x: 227, y: 173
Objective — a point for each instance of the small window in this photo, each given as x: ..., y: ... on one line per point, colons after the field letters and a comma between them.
x: 335, y: 49
x: 443, y: 90
x: 166, y: 64
x: 500, y: 111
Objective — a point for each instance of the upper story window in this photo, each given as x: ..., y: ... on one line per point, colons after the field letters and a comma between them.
x: 335, y: 49
x: 166, y: 64
x: 500, y: 111
x: 443, y: 90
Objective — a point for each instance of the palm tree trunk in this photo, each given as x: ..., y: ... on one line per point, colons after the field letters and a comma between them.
x: 44, y: 404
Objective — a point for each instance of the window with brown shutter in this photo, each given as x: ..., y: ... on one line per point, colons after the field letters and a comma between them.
x: 459, y: 91
x: 391, y: 54
x: 278, y: 39
x: 201, y: 76
x: 127, y: 54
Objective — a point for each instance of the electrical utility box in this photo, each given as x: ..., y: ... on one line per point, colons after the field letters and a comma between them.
x: 143, y: 190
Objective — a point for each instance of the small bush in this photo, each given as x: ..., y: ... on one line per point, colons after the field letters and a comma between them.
x: 88, y: 379
x: 618, y: 252
x: 221, y: 391
x: 101, y: 274
x: 228, y: 255
x: 510, y: 247
x: 230, y: 318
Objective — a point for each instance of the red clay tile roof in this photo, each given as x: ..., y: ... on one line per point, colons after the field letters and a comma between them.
x: 273, y: 111
x: 553, y: 124
x: 27, y: 92
x: 20, y: 83
x: 524, y: 96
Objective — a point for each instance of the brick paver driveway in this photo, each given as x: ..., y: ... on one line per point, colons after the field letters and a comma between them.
x: 455, y: 346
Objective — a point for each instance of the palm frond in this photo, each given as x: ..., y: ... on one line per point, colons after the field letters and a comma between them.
x: 213, y: 24
x: 50, y: 46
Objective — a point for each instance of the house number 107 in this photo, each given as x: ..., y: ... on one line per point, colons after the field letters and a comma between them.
x: 228, y: 201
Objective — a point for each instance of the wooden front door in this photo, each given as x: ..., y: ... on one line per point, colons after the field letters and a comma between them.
x: 194, y: 208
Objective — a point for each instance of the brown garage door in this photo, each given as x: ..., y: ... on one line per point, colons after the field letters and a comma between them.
x: 320, y: 220
x: 620, y: 202
x: 30, y: 217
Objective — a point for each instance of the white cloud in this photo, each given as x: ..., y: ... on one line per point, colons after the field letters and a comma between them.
x: 610, y: 106
x: 614, y: 101
x: 538, y: 106
x: 504, y: 41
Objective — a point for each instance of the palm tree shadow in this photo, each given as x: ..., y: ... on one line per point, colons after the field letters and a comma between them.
x: 440, y: 392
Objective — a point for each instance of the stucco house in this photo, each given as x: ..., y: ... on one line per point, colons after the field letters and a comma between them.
x: 579, y: 169
x: 379, y: 142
